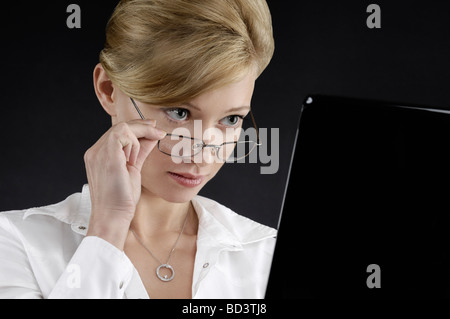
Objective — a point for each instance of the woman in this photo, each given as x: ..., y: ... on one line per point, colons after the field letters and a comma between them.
x: 139, y: 229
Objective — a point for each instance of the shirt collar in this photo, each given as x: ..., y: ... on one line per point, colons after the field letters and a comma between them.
x: 74, y: 210
x: 226, y: 227
x: 216, y: 221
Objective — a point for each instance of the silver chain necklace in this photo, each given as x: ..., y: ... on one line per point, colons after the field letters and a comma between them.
x: 166, y: 264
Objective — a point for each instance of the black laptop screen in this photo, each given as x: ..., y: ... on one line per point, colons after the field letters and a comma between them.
x: 369, y: 184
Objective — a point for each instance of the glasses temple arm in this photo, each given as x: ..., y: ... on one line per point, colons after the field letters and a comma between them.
x: 137, y: 109
x: 258, y: 141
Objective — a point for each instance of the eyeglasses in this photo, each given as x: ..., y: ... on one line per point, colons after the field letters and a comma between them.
x: 186, y: 147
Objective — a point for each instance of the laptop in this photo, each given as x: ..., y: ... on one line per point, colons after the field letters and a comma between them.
x: 367, y: 204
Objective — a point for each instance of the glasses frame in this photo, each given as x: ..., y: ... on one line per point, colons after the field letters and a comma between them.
x: 201, y: 144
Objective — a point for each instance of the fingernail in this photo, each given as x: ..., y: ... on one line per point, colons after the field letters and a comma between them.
x: 150, y: 122
x: 161, y: 133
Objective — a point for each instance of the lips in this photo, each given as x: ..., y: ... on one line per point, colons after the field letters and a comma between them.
x: 186, y: 179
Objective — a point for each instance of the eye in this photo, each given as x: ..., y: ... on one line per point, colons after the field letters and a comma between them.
x: 178, y: 114
x: 232, y: 120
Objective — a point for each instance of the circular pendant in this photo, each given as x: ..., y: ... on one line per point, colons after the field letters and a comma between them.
x: 165, y: 277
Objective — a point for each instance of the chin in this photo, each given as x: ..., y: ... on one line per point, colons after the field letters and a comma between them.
x: 179, y: 197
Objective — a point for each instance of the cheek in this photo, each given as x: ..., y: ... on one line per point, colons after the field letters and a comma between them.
x: 215, y: 167
x: 156, y: 164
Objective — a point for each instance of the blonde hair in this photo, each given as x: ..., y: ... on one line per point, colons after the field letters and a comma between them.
x: 170, y: 51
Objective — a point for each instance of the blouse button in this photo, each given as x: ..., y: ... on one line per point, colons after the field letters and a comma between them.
x: 206, y: 265
x: 81, y: 227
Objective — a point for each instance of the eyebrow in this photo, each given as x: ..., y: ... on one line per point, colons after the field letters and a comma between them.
x: 234, y: 109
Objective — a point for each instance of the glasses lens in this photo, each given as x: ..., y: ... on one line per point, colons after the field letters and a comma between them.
x: 246, y: 142
x: 239, y: 144
x: 233, y: 152
x: 179, y: 146
x: 226, y: 151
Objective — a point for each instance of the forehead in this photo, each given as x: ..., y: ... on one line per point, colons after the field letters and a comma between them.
x: 237, y: 95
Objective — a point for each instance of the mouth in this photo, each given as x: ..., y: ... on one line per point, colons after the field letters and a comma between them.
x: 187, y: 180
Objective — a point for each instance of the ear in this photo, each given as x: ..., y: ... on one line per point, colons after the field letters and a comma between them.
x: 104, y: 89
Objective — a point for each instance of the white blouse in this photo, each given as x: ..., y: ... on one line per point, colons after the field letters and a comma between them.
x: 44, y: 253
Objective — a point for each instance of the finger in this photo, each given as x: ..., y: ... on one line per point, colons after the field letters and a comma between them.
x: 140, y: 121
x: 123, y: 143
x: 134, y: 152
x: 127, y: 150
x: 146, y: 148
x: 146, y: 129
x: 129, y: 136
x: 143, y: 146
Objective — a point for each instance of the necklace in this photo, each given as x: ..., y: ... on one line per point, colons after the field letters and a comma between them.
x: 166, y: 265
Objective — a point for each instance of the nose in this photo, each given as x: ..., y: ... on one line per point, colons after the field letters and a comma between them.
x: 206, y: 156
x: 211, y: 137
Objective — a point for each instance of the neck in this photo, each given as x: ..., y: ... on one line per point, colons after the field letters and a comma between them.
x: 155, y: 216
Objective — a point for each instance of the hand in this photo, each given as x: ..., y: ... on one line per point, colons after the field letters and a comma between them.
x: 113, y: 166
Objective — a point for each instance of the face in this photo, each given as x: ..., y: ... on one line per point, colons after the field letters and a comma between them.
x: 219, y: 110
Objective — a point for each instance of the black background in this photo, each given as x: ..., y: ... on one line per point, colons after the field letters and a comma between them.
x: 50, y: 114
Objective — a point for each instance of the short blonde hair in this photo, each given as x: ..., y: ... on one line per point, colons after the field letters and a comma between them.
x: 169, y: 51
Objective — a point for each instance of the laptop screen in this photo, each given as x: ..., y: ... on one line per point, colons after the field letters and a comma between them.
x: 366, y: 210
